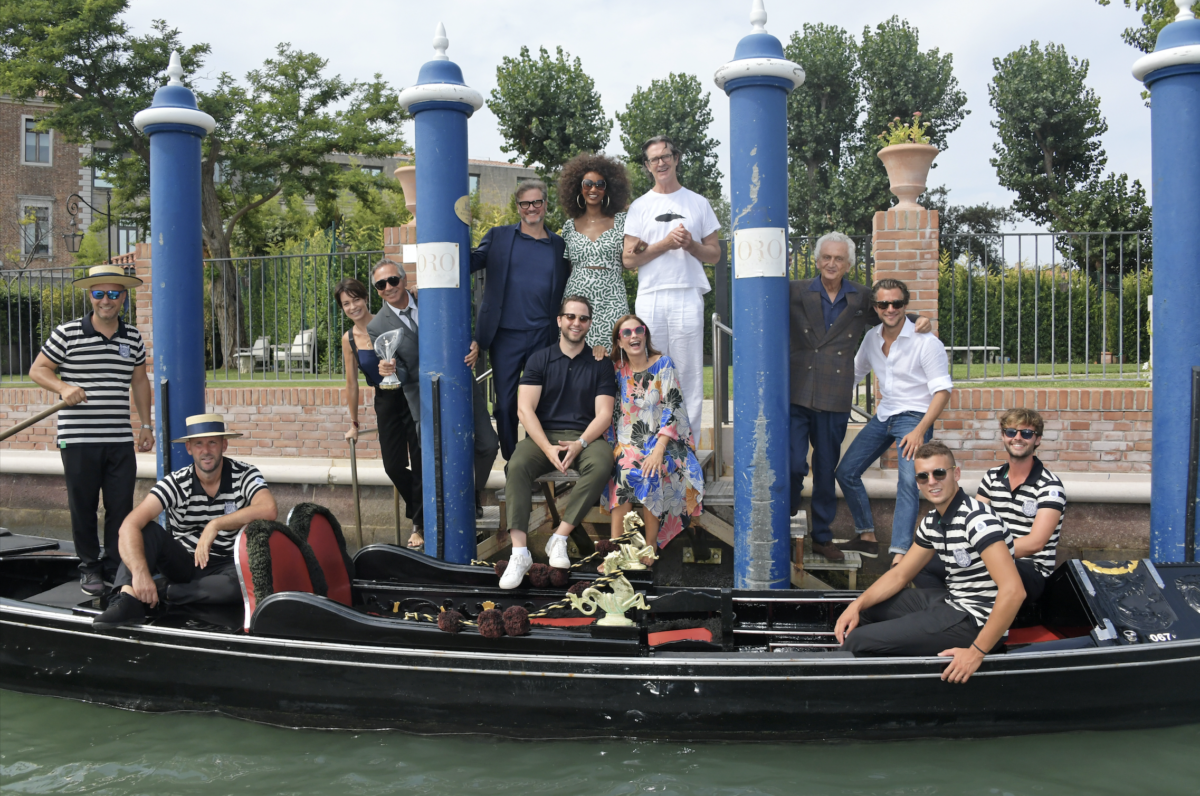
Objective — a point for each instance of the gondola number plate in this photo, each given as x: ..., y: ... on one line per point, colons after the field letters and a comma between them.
x: 760, y: 252
x: 437, y: 265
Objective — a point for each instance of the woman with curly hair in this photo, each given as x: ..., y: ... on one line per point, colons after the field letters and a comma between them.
x: 594, y: 191
x: 655, y: 463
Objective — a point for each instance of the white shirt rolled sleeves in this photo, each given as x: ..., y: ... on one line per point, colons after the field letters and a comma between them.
x: 915, y: 368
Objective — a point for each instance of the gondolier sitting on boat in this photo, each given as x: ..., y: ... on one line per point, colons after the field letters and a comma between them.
x: 983, y: 591
x: 1027, y: 497
x: 206, y: 503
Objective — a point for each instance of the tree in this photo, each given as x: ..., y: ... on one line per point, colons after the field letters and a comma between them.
x: 822, y: 122
x: 1110, y: 204
x: 970, y: 230
x: 677, y: 108
x: 1049, y: 128
x: 1156, y: 15
x: 81, y: 57
x: 548, y: 109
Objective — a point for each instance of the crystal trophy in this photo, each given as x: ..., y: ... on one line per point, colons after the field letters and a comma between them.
x: 385, y: 348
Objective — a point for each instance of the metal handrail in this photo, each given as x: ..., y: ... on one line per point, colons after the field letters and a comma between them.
x: 720, y: 386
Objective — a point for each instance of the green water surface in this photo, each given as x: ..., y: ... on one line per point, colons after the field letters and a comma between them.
x: 56, y: 746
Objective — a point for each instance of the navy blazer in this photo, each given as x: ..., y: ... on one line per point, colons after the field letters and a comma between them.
x: 495, y: 256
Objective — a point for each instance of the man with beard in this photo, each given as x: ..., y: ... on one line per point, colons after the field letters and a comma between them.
x: 1028, y: 499
x: 565, y: 402
x: 206, y: 503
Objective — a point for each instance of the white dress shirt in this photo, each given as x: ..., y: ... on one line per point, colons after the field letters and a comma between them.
x: 412, y: 305
x: 913, y: 370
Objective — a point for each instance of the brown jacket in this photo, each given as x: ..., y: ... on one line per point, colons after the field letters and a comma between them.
x: 822, y: 363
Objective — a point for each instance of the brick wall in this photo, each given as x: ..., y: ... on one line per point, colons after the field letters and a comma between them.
x: 905, y: 247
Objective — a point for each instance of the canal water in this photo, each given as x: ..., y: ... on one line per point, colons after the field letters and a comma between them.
x: 55, y: 746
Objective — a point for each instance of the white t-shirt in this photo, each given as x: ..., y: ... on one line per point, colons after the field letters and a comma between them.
x: 651, y: 218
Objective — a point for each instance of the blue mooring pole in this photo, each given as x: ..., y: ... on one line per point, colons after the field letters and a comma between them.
x: 441, y: 104
x: 1172, y: 74
x: 175, y: 125
x: 758, y: 81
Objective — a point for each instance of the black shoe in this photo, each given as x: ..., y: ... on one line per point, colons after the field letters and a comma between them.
x: 829, y: 550
x: 862, y: 547
x: 92, y: 583
x: 124, y: 609
x: 478, y: 505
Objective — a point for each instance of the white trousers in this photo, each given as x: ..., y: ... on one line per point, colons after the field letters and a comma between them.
x: 675, y: 317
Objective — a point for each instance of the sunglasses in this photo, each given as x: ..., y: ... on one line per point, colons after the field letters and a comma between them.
x: 570, y: 316
x: 938, y: 474
x: 391, y: 280
x: 113, y: 295
x: 1026, y: 433
x: 635, y: 330
x: 601, y: 184
x: 883, y: 305
x: 534, y: 203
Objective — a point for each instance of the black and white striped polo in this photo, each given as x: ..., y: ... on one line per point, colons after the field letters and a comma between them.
x: 189, y: 507
x: 958, y: 537
x: 1041, y: 490
x: 103, y: 367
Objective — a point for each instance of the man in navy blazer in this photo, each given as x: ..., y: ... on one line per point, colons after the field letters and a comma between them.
x: 527, y: 270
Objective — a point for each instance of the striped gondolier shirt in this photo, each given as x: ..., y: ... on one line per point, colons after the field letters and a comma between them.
x: 1041, y: 490
x: 190, y: 508
x: 958, y: 537
x: 103, y: 367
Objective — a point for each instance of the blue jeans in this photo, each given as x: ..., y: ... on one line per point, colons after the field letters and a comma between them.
x: 825, y: 432
x: 871, y: 443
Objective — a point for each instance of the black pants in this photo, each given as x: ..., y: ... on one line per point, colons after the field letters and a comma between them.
x: 166, y: 556
x: 90, y: 470
x: 486, y: 442
x: 400, y: 443
x: 933, y: 576
x: 510, y: 348
x: 913, y: 622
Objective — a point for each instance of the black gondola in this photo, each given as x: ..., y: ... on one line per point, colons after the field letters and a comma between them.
x: 1116, y: 646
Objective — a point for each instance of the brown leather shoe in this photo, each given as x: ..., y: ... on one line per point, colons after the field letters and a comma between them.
x: 862, y: 547
x: 829, y: 550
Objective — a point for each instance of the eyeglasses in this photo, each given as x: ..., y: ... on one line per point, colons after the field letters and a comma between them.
x: 632, y: 331
x: 938, y: 475
x: 1026, y: 433
x: 660, y: 159
x: 883, y: 305
x: 601, y: 184
x: 113, y: 295
x: 534, y: 203
x: 570, y: 316
x: 391, y: 280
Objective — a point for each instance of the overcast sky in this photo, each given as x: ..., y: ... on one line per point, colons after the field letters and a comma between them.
x: 624, y: 44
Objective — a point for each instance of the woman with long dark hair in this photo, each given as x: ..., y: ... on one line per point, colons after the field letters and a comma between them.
x: 651, y: 436
x: 357, y: 351
x: 594, y: 190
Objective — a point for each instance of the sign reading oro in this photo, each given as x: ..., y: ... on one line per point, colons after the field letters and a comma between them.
x: 437, y: 265
x: 760, y: 252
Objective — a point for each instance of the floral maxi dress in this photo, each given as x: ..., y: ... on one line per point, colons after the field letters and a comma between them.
x: 651, y: 405
x: 596, y: 273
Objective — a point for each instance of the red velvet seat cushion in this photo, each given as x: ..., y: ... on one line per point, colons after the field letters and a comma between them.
x: 325, y: 546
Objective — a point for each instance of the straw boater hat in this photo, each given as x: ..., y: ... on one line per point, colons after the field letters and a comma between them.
x: 205, y: 426
x: 107, y: 275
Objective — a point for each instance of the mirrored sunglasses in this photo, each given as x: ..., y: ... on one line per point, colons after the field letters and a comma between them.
x: 639, y: 330
x: 113, y: 295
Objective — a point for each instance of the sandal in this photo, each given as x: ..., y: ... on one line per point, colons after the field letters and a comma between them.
x: 416, y: 541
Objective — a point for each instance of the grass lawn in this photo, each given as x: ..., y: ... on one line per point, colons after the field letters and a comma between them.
x: 1076, y: 370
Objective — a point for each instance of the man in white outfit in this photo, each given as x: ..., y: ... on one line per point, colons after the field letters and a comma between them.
x: 670, y: 233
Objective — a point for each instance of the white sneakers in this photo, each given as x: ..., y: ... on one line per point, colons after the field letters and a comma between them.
x: 556, y: 549
x: 514, y: 573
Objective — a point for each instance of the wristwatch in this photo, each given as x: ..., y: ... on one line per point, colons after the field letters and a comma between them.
x: 583, y: 443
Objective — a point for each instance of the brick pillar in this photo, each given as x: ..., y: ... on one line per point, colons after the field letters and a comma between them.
x: 143, y: 315
x: 394, y: 240
x: 905, y: 246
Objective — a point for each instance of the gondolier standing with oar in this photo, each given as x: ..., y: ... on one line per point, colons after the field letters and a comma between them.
x: 94, y: 363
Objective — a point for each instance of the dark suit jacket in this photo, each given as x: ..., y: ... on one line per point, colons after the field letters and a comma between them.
x: 822, y: 362
x: 408, y: 354
x: 495, y: 255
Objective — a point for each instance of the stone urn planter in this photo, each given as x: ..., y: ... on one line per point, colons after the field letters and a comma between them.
x: 908, y: 168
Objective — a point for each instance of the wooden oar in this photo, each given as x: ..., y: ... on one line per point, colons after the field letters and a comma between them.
x: 24, y: 424
x: 354, y: 483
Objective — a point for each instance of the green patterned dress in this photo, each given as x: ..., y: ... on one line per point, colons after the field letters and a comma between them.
x: 596, y: 274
